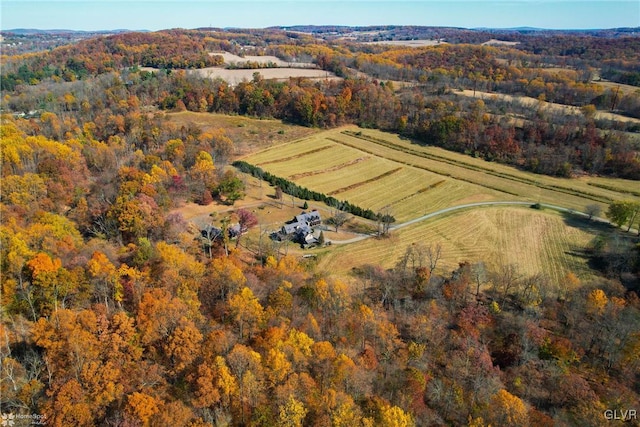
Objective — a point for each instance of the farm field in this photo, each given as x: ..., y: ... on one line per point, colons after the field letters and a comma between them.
x: 247, y: 134
x: 230, y: 58
x: 343, y: 166
x: 623, y: 88
x: 383, y: 171
x: 579, y: 184
x: 535, y: 241
x: 236, y: 76
x: 551, y: 106
x: 233, y: 77
x: 409, y: 43
x: 376, y: 170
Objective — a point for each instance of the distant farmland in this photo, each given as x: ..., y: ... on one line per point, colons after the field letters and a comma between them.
x: 233, y: 77
x: 236, y: 76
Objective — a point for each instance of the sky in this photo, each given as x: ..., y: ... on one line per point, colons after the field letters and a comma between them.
x: 155, y: 15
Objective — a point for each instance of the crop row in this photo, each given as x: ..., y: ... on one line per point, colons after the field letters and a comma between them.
x: 297, y: 156
x: 368, y: 181
x: 327, y: 170
x: 420, y: 191
x: 425, y: 168
x: 613, y: 188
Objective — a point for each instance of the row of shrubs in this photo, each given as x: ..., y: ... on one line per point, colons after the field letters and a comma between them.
x: 304, y: 193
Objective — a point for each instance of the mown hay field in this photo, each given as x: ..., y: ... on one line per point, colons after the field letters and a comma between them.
x: 534, y: 241
x: 367, y: 175
x: 572, y: 193
x: 382, y: 171
x: 378, y: 170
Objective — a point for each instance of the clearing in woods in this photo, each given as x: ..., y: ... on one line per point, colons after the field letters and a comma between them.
x: 247, y: 134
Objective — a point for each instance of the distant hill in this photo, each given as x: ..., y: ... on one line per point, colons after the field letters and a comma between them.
x: 35, y: 31
x: 380, y: 33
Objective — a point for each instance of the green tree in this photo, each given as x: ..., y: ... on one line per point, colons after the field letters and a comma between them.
x: 231, y: 187
x: 623, y: 212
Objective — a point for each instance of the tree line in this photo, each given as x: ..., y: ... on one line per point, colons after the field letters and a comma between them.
x: 304, y: 193
x: 427, y: 110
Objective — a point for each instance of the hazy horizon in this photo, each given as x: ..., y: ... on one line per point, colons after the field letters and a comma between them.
x: 96, y: 15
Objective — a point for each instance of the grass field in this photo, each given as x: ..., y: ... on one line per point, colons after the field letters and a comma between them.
x: 247, y: 134
x: 550, y: 106
x: 536, y: 241
x: 375, y: 170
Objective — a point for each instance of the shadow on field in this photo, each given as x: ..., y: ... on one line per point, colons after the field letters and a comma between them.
x: 594, y: 226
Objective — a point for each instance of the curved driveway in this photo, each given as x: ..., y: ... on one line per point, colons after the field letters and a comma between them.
x: 460, y: 207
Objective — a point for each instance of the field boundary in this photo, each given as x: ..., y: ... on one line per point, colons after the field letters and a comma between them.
x: 420, y: 191
x: 613, y: 188
x: 297, y: 156
x: 424, y: 168
x: 361, y: 183
x: 331, y: 169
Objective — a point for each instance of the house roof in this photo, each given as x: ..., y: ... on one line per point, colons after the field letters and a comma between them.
x: 302, y: 223
x: 211, y: 232
x: 308, y: 217
x: 290, y: 228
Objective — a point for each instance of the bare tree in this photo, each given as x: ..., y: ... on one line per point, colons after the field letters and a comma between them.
x: 279, y: 196
x: 338, y: 219
x: 208, y: 237
x: 532, y: 290
x: 434, y: 253
x: 385, y: 219
x: 505, y: 280
x: 414, y: 257
x: 593, y: 210
x: 479, y: 274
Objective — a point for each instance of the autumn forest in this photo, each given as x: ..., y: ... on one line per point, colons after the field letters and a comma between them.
x: 117, y: 310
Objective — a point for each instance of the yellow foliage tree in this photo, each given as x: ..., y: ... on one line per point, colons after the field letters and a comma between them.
x: 246, y: 311
x: 596, y: 302
x: 277, y: 366
x: 292, y: 413
x: 393, y: 416
x: 505, y: 409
